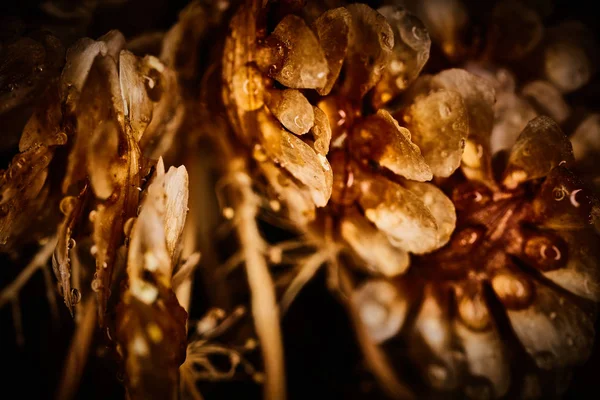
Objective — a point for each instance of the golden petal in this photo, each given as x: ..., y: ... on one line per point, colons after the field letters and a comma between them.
x: 370, y: 47
x: 440, y: 206
x: 297, y: 157
x: 439, y: 125
x: 379, y: 138
x: 540, y: 147
x: 137, y: 104
x: 553, y: 330
x: 382, y: 308
x: 401, y: 214
x: 373, y: 246
x: 333, y: 28
x: 409, y: 55
x: 102, y: 155
x: 292, y: 109
x: 305, y: 65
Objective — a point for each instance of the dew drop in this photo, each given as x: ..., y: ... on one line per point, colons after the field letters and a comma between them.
x: 553, y: 315
x: 259, y: 153
x: 71, y: 244
x: 94, y: 250
x: 559, y: 193
x: 96, y: 285
x: 75, y: 296
x: 228, y: 212
x: 128, y: 226
x: 93, y: 215
x: 67, y: 204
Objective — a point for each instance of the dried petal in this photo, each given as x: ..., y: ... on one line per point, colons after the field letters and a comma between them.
x: 440, y: 206
x: 382, y: 308
x: 80, y: 58
x: 400, y: 214
x: 512, y: 113
x: 539, y: 148
x: 370, y: 47
x: 44, y: 126
x: 137, y: 104
x: 379, y: 138
x: 439, y: 125
x: 548, y: 100
x: 409, y: 55
x: 373, y: 246
x: 333, y: 29
x: 102, y: 155
x: 297, y: 157
x: 553, y: 330
x: 305, y: 65
x: 321, y: 131
x: 292, y: 109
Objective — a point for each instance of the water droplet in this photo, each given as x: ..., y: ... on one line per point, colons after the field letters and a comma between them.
x: 259, y: 153
x: 228, y: 212
x: 559, y: 193
x: 39, y: 68
x: 553, y: 315
x: 61, y: 138
x: 75, y: 296
x: 104, y: 265
x: 94, y: 250
x: 96, y: 285
x: 275, y: 205
x: 128, y: 226
x: 71, y: 244
x: 67, y: 204
x: 93, y: 215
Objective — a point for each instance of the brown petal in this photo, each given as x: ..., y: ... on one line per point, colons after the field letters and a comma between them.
x: 102, y: 155
x: 539, y: 148
x: 439, y: 125
x: 379, y: 138
x: 382, y: 308
x: 548, y: 100
x: 333, y: 28
x: 305, y: 65
x: 297, y: 157
x: 512, y: 113
x: 440, y: 206
x: 553, y: 330
x: 400, y: 214
x: 373, y: 246
x: 137, y: 104
x: 370, y: 46
x: 292, y: 109
x: 409, y: 55
x: 80, y: 58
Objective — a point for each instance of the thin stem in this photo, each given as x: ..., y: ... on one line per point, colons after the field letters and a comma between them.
x: 307, y: 270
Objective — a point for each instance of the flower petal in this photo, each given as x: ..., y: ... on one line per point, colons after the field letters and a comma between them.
x: 321, y: 131
x: 370, y: 46
x: 379, y: 138
x: 400, y: 214
x: 333, y: 29
x: 553, y: 330
x: 305, y: 65
x: 373, y: 246
x: 548, y: 100
x: 292, y: 109
x: 539, y: 148
x: 439, y: 125
x: 248, y: 88
x: 409, y: 55
x: 137, y: 104
x: 512, y: 113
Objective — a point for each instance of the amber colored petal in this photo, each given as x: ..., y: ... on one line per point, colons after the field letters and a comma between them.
x: 333, y: 28
x: 409, y: 55
x: 564, y: 202
x: 137, y: 104
x: 539, y: 148
x: 370, y: 47
x: 479, y: 97
x: 553, y: 330
x: 80, y: 58
x: 102, y: 154
x: 440, y: 206
x: 297, y: 199
x: 44, y: 126
x: 310, y: 168
x: 379, y: 138
x: 547, y: 99
x: 321, y: 131
x: 305, y: 65
x: 373, y: 246
x: 512, y: 113
x: 382, y: 308
x: 292, y: 109
x: 432, y: 344
x: 401, y: 214
x: 115, y: 42
x: 439, y: 125
x: 515, y: 30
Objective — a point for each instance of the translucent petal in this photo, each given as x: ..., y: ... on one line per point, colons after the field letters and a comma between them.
x: 400, y: 214
x: 564, y: 202
x: 370, y: 46
x: 333, y: 28
x: 432, y: 345
x: 292, y: 109
x: 137, y: 104
x: 512, y: 113
x: 305, y: 65
x: 382, y: 308
x: 568, y: 61
x: 515, y: 30
x: 321, y: 131
x: 102, y: 154
x: 539, y: 148
x: 548, y: 100
x: 581, y: 275
x: 379, y: 138
x: 297, y: 157
x: 553, y: 330
x: 409, y: 55
x: 80, y: 58
x: 372, y: 246
x: 298, y: 200
x: 439, y: 125
x: 44, y: 125
x: 440, y: 206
